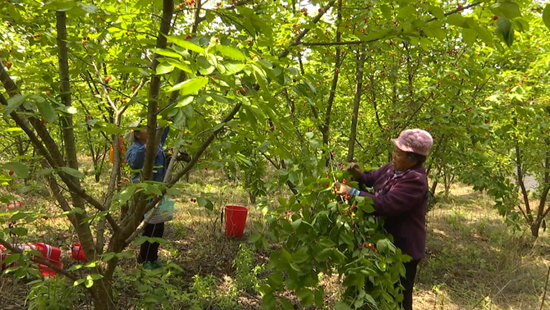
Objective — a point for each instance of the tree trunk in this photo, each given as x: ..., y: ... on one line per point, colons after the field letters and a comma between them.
x: 356, y: 103
x: 325, y: 128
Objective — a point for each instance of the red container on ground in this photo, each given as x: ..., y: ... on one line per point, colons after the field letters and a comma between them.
x: 49, y: 253
x: 77, y: 252
x: 47, y: 272
x: 235, y: 220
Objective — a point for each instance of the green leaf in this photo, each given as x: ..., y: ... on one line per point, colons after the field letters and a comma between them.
x: 231, y: 52
x: 406, y: 11
x: 509, y: 9
x: 190, y: 86
x: 18, y: 216
x: 60, y: 5
x: 20, y: 231
x: 546, y: 15
x: 485, y: 35
x: 254, y: 237
x: 78, y: 282
x: 306, y: 296
x: 233, y: 67
x: 505, y: 30
x: 434, y: 30
x: 376, y: 35
x: 300, y: 257
x: 126, y: 193
x: 384, y: 245
x: 164, y: 68
x: 341, y: 306
x: 437, y: 12
x: 73, y: 172
x: 165, y: 52
x: 66, y: 109
x: 46, y: 110
x: 19, y: 168
x: 469, y: 36
x: 186, y: 44
x: 10, y: 259
x: 14, y: 103
x: 180, y: 65
x: 386, y: 11
x: 294, y: 266
x: 89, y: 281
x: 456, y: 20
x: 205, y: 203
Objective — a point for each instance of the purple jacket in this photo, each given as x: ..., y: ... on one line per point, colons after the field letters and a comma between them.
x: 402, y: 199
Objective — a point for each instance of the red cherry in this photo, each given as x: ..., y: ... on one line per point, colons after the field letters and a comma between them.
x: 8, y: 66
x: 495, y: 17
x: 312, y: 190
x: 107, y: 79
x: 249, y: 42
x: 45, y: 218
x: 294, y: 80
x: 321, y: 11
x: 348, y: 197
x: 43, y: 121
x: 219, y: 3
x: 460, y: 7
x: 10, y: 173
x: 48, y: 93
x: 337, y: 71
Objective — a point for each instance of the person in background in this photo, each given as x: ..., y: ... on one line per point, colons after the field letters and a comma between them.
x: 135, y: 157
x: 400, y: 195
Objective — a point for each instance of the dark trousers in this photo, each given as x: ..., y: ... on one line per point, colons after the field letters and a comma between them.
x: 408, y: 283
x: 150, y: 251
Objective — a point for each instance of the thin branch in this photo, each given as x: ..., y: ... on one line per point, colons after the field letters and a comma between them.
x: 306, y: 30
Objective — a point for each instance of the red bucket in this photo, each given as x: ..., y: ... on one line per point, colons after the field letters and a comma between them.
x: 235, y: 220
x: 77, y: 252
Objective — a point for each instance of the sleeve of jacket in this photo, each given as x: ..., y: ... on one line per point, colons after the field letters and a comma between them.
x: 405, y: 194
x: 370, y: 177
x: 135, y: 156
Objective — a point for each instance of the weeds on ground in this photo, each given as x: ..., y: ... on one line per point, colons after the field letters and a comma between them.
x: 52, y: 294
x: 246, y: 277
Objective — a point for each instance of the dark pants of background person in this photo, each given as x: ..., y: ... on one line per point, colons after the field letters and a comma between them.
x: 150, y: 251
x: 408, y: 283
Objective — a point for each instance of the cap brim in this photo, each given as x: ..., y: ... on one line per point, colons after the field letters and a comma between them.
x: 400, y: 146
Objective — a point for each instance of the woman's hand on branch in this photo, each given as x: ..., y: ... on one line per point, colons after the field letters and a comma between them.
x: 341, y: 189
x: 355, y: 170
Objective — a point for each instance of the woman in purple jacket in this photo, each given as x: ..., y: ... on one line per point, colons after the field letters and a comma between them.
x: 400, y: 195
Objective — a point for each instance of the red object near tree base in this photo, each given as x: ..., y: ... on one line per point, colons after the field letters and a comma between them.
x: 235, y: 220
x: 47, y: 271
x: 77, y: 252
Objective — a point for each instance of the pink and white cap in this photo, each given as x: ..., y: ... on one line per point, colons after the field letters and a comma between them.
x: 414, y: 141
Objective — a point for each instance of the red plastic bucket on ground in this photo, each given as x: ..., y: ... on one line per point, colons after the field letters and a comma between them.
x: 235, y: 220
x: 77, y: 252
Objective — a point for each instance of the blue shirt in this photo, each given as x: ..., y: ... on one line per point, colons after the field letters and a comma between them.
x: 135, y: 156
